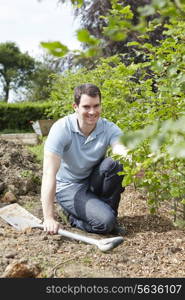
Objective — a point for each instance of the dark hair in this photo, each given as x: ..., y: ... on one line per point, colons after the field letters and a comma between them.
x: 87, y: 89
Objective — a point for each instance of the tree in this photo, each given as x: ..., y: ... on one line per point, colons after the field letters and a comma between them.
x: 15, y: 68
x: 106, y: 30
x: 42, y: 79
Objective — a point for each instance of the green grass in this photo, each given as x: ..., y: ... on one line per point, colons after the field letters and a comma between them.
x: 38, y: 150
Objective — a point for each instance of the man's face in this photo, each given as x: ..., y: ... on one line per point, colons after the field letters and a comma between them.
x: 88, y: 110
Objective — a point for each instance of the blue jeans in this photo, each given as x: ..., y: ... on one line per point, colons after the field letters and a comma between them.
x: 92, y: 205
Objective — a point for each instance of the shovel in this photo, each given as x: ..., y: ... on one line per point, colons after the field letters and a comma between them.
x: 20, y: 218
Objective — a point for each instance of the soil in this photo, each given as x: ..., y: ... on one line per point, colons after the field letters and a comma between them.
x: 152, y: 246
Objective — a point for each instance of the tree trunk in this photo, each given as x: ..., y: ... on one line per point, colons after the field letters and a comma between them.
x: 6, y: 91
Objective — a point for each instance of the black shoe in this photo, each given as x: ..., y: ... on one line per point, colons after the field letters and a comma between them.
x: 118, y: 230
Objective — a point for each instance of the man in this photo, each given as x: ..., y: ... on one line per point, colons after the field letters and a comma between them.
x: 75, y: 170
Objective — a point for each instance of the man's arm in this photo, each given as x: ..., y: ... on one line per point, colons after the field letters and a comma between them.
x: 51, y: 165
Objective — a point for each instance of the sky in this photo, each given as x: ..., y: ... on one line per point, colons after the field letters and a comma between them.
x: 28, y: 22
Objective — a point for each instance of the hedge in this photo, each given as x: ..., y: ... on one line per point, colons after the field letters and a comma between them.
x: 18, y: 115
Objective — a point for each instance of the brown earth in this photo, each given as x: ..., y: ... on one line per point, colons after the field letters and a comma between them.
x: 152, y: 247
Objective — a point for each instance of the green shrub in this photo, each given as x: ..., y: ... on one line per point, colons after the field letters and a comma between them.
x: 17, y: 116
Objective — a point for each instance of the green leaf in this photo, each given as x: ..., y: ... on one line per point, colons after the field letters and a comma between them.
x: 83, y: 35
x: 92, y: 51
x: 77, y: 3
x: 127, y: 180
x: 177, y: 150
x: 133, y: 44
x: 182, y: 201
x: 159, y: 3
x: 118, y: 36
x: 157, y: 142
x: 55, y: 48
x: 157, y: 66
x: 147, y: 10
x: 172, y: 70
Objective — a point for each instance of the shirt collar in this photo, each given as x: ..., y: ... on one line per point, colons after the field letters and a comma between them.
x: 74, y: 126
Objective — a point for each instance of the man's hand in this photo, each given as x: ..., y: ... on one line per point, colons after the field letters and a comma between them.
x: 51, y: 225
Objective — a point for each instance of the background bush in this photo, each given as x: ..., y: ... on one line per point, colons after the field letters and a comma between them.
x: 18, y: 115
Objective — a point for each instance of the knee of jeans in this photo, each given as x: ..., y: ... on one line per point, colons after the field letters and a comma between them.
x: 107, y: 223
x: 109, y: 164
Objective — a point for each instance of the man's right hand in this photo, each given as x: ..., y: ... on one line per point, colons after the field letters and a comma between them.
x: 51, y: 225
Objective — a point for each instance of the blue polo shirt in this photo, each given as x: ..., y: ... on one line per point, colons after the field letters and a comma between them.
x: 79, y: 153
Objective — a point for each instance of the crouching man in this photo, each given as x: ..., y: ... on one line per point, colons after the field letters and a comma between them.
x: 75, y: 170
